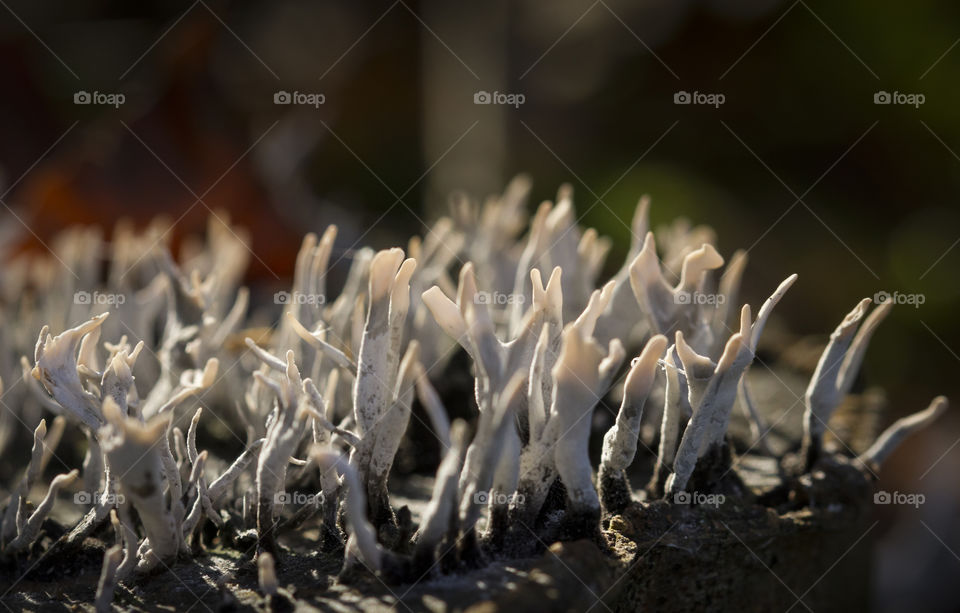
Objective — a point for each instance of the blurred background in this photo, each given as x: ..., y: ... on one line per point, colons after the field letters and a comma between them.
x: 114, y: 109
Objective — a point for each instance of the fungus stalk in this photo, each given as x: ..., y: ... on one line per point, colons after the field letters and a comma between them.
x: 582, y: 375
x: 381, y: 409
x: 108, y: 579
x: 283, y: 435
x: 620, y: 442
x: 362, y: 544
x: 891, y: 438
x: 135, y: 446
x: 835, y: 373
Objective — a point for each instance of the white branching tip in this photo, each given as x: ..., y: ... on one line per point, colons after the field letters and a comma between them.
x: 643, y: 369
x: 599, y: 300
x: 826, y: 388
x: 620, y: 442
x: 316, y: 341
x: 696, y: 263
x: 730, y: 353
x: 265, y: 356
x: 466, y: 287
x: 445, y: 312
x: 196, y: 482
x: 192, y: 382
x: 209, y: 375
x: 117, y: 379
x: 548, y: 298
x: 858, y: 348
x: 653, y: 293
x: 192, y: 436
x: 695, y: 366
x: 35, y: 468
x: 224, y: 481
x: 56, y: 369
x: 51, y: 439
x: 267, y: 574
x: 400, y: 288
x: 293, y: 376
x: 383, y: 270
x: 646, y: 266
x: 555, y: 291
x: 30, y: 530
x: 578, y: 362
x: 639, y: 225
x: 900, y: 430
x: 108, y: 579
x: 87, y: 359
x: 767, y: 308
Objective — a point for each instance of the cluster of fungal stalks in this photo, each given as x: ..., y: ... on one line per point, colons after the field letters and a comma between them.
x: 323, y: 401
